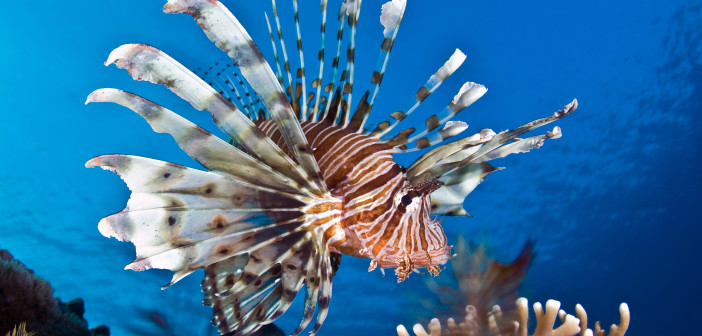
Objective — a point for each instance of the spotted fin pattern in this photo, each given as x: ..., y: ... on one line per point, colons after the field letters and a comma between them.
x: 259, y: 223
x: 222, y: 28
x: 223, y: 76
x: 144, y: 62
x: 446, y: 70
x: 210, y: 151
x: 461, y: 165
x: 317, y: 83
x: 258, y: 246
x: 264, y: 221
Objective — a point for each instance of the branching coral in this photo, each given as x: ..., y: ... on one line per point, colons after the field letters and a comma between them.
x: 488, y: 291
x: 614, y: 330
x: 499, y: 325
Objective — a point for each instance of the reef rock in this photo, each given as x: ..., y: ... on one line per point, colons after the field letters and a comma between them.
x: 25, y: 297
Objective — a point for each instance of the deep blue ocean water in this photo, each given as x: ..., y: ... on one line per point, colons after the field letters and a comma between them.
x: 612, y: 205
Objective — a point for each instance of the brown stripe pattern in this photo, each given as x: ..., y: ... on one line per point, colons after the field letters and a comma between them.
x: 287, y: 190
x: 384, y: 218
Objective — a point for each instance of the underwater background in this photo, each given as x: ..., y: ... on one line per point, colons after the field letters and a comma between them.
x: 612, y: 207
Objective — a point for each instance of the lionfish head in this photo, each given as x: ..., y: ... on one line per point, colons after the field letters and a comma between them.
x: 424, y: 243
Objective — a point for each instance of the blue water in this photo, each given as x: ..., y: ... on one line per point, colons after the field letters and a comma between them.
x: 612, y: 206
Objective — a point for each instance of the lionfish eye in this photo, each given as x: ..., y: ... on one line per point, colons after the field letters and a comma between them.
x: 406, y: 200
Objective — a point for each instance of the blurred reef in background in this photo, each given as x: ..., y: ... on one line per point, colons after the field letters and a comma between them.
x: 480, y: 299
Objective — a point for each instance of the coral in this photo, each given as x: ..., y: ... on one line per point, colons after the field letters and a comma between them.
x: 27, y: 298
x: 500, y: 325
x: 487, y: 296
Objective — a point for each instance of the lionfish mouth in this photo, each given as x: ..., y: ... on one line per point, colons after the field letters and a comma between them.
x: 431, y: 260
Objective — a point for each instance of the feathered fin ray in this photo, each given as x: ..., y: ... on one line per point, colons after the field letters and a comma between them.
x: 390, y: 18
x: 317, y: 83
x: 207, y: 149
x: 222, y: 76
x: 258, y: 246
x: 286, y: 62
x: 468, y: 94
x: 446, y: 70
x: 329, y: 88
x: 279, y: 73
x: 462, y: 165
x: 353, y: 10
x: 222, y: 28
x: 144, y: 62
x: 450, y: 129
x: 301, y: 71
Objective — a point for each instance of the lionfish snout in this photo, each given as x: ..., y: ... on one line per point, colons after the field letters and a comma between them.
x: 419, y: 241
x: 430, y: 254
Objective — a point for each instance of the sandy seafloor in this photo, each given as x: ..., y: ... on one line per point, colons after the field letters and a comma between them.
x: 612, y: 206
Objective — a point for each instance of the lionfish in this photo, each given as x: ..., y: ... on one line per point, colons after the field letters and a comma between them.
x: 300, y: 181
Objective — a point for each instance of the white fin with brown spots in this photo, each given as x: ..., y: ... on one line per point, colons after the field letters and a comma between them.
x: 258, y: 246
x: 222, y: 28
x: 212, y: 152
x: 258, y: 223
x: 147, y: 63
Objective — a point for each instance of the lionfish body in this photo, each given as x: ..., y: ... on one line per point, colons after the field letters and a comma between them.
x: 301, y: 178
x: 384, y: 217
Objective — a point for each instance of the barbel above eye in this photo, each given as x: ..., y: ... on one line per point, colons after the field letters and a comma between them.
x: 406, y: 200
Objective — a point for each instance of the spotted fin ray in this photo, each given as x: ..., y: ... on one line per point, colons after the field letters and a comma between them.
x: 258, y: 246
x: 390, y: 17
x: 317, y: 83
x: 461, y: 165
x: 259, y: 222
x: 222, y: 28
x: 147, y: 63
x: 223, y: 76
x: 207, y: 149
x: 262, y: 222
x: 446, y: 70
x: 451, y: 160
